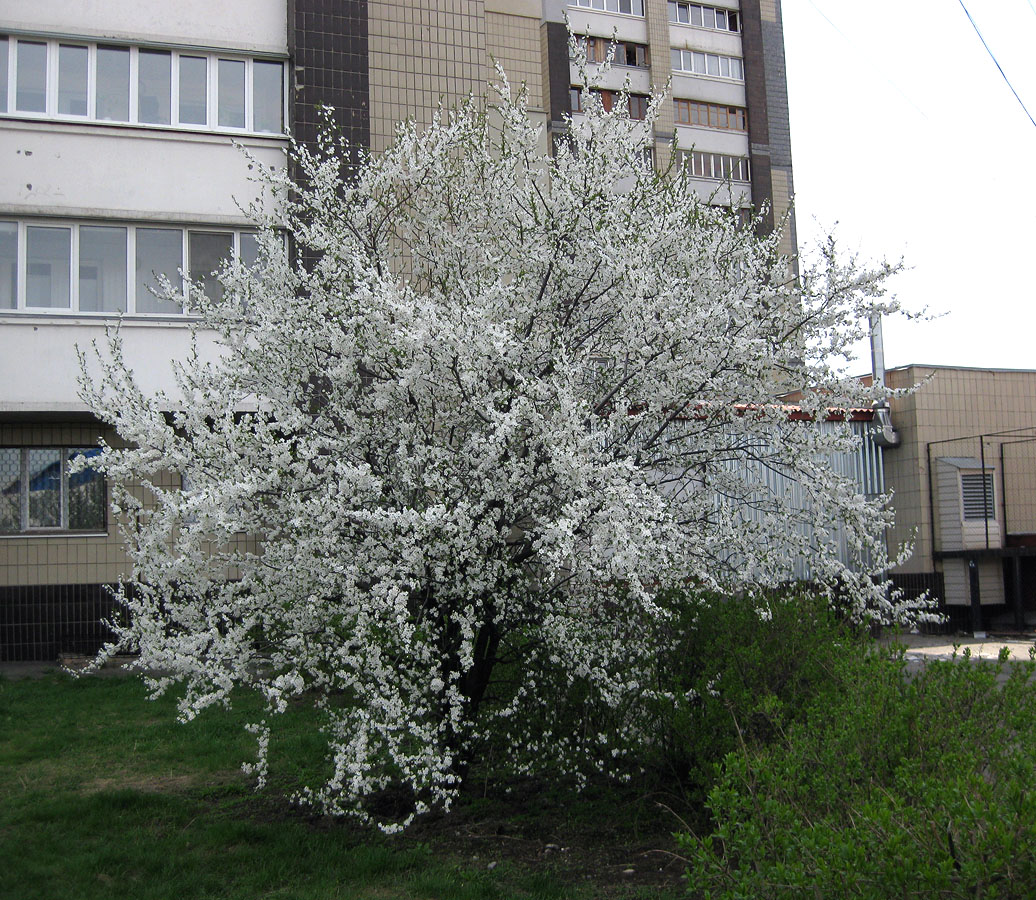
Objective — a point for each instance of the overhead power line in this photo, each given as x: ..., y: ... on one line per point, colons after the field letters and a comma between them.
x: 992, y: 56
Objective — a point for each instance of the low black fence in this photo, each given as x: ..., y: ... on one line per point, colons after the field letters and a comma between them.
x: 914, y: 584
x: 41, y: 622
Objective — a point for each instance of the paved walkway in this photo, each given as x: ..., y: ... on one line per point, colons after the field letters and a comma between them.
x: 941, y: 646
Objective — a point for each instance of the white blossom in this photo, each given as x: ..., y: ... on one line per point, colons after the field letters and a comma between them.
x: 492, y: 409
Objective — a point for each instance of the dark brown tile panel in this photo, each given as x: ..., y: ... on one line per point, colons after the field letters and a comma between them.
x: 328, y: 44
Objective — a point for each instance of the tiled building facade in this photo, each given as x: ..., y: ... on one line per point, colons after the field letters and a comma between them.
x: 964, y: 483
x: 117, y: 132
x: 380, y: 61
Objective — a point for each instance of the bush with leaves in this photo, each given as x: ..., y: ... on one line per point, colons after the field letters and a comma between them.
x: 739, y: 670
x: 894, y: 785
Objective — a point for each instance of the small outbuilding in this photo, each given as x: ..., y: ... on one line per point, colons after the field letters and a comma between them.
x: 963, y: 477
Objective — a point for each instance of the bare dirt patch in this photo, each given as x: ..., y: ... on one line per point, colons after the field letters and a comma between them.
x: 158, y: 784
x: 616, y: 848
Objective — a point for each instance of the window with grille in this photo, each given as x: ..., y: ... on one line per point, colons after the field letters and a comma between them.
x: 715, y: 165
x: 37, y: 492
x: 977, y: 495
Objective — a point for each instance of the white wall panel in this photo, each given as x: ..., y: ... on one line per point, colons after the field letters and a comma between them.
x: 700, y: 87
x: 142, y: 174
x: 615, y: 79
x: 603, y: 24
x: 255, y: 25
x: 719, y: 193
x: 733, y: 143
x: 688, y: 38
x: 39, y: 369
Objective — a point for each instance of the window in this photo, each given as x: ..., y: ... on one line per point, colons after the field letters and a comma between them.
x: 8, y: 265
x: 634, y: 55
x: 102, y: 269
x: 710, y: 115
x: 141, y: 86
x: 716, y: 165
x: 248, y: 251
x: 626, y: 52
x: 3, y: 74
x: 154, y: 87
x: 977, y: 495
x: 231, y: 93
x: 704, y: 16
x: 636, y: 104
x: 208, y: 251
x: 31, y: 77
x: 37, y: 493
x: 47, y: 253
x: 627, y: 7
x: 159, y: 254
x: 194, y: 90
x: 72, y: 78
x: 113, y: 84
x: 267, y: 97
x: 698, y: 63
x: 110, y: 268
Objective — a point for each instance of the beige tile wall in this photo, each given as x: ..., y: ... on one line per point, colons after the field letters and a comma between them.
x: 780, y: 183
x: 661, y: 71
x: 514, y: 42
x: 955, y: 403
x: 422, y: 52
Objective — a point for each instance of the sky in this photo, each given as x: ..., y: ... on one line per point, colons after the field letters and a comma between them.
x: 908, y: 143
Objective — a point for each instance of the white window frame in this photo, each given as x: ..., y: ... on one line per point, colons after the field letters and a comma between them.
x: 603, y: 6
x: 686, y: 66
x: 703, y: 6
x: 728, y: 166
x: 7, y: 105
x: 131, y: 254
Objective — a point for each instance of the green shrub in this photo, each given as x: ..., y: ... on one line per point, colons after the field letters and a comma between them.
x: 742, y: 669
x: 732, y: 669
x: 893, y: 785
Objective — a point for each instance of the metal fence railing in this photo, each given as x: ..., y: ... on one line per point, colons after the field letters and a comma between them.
x: 40, y: 623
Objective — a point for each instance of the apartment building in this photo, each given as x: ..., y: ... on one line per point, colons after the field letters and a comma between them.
x: 118, y: 126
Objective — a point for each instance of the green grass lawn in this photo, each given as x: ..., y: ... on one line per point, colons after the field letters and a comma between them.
x: 103, y: 794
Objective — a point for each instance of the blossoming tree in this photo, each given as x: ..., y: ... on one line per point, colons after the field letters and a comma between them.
x: 464, y: 429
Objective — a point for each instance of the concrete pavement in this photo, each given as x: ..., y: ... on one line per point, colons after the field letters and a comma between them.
x: 941, y: 646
